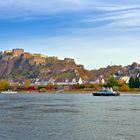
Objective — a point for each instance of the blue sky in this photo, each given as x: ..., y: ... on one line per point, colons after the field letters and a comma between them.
x: 93, y: 32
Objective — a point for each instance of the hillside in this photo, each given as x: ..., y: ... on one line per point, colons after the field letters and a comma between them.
x: 18, y: 65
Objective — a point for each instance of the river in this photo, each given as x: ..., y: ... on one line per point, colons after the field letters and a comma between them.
x: 69, y: 117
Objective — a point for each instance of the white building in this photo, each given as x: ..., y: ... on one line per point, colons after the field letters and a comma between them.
x: 80, y: 81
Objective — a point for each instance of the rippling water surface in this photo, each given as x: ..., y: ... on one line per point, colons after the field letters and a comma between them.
x: 69, y: 117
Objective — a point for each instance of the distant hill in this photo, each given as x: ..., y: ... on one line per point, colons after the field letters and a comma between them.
x: 18, y: 65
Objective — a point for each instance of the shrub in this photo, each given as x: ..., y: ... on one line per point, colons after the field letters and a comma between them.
x: 81, y: 86
x: 42, y: 90
x: 125, y: 87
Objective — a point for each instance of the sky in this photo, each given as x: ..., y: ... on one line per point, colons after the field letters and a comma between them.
x: 96, y: 33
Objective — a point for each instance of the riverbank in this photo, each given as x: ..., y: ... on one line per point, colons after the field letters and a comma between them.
x: 71, y: 92
x: 75, y: 91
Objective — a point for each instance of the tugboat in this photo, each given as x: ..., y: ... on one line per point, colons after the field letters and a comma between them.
x: 106, y: 92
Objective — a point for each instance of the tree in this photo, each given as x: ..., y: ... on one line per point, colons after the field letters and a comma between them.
x: 27, y: 84
x: 125, y: 87
x: 137, y: 82
x: 112, y: 81
x: 131, y: 82
x: 81, y: 86
x: 3, y: 85
x: 96, y: 87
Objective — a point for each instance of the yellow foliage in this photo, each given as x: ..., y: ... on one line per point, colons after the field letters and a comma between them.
x: 100, y: 82
x: 96, y: 86
x: 27, y: 83
x: 3, y: 84
x: 125, y: 87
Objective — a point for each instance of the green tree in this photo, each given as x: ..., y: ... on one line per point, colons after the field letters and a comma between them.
x: 132, y: 82
x: 137, y: 82
x: 81, y: 86
x: 112, y: 81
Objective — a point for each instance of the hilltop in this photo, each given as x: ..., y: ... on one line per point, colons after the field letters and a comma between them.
x: 17, y: 65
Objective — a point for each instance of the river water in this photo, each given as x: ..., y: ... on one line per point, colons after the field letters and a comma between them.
x: 69, y: 117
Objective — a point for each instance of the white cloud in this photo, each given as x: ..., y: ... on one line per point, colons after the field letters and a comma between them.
x: 118, y: 15
x: 31, y: 8
x: 128, y: 17
x: 20, y: 8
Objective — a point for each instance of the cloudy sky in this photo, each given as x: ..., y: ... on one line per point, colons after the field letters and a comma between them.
x: 93, y: 32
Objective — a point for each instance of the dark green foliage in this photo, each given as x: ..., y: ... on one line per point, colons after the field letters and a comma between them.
x: 137, y: 82
x: 81, y: 86
x: 132, y: 82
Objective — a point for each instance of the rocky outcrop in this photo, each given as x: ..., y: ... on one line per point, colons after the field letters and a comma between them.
x: 20, y: 65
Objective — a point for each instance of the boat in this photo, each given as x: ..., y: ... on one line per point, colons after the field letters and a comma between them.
x: 106, y: 92
x: 8, y: 92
